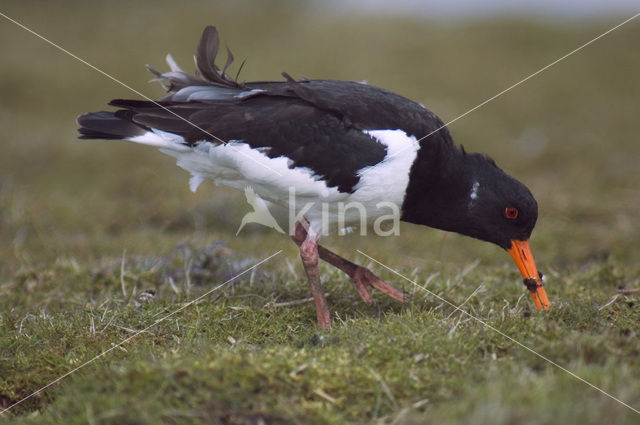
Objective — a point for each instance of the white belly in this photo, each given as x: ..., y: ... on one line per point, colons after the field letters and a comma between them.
x: 380, y: 189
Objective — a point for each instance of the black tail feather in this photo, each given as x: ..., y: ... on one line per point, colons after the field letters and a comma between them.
x: 108, y: 125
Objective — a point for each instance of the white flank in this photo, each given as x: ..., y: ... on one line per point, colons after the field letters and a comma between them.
x: 237, y: 165
x: 161, y: 139
x: 195, y: 181
x: 388, y: 180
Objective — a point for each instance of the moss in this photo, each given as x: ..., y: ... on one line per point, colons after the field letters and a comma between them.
x: 88, y: 227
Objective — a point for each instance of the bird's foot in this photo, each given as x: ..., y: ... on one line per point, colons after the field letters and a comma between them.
x: 363, y: 278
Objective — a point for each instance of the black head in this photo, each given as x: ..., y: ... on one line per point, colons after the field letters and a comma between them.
x: 500, y: 208
x: 471, y: 195
x: 451, y: 190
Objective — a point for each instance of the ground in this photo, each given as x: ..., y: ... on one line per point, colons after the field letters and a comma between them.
x: 88, y: 227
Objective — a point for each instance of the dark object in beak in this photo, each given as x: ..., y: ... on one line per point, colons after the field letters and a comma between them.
x: 523, y: 258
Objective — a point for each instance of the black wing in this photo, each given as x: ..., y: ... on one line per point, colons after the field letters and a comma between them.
x: 286, y: 127
x: 316, y: 123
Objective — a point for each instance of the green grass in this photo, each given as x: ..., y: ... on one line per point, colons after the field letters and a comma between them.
x: 88, y: 226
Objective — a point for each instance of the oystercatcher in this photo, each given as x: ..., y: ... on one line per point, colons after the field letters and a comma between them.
x: 331, y: 143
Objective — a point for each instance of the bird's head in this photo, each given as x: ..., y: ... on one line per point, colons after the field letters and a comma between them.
x: 476, y: 198
x: 502, y: 210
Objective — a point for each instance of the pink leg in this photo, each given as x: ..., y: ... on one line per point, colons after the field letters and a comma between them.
x: 309, y: 255
x: 363, y: 278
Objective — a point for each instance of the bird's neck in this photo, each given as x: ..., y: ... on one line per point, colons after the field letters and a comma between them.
x: 439, y: 186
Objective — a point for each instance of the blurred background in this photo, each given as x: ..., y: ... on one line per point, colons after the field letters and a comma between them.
x: 87, y: 225
x: 570, y: 133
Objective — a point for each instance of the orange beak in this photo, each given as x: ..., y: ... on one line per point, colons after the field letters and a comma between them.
x: 521, y: 254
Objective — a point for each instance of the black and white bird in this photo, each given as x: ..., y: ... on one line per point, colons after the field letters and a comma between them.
x: 331, y: 143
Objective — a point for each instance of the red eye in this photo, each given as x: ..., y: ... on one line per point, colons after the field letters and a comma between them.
x: 511, y: 212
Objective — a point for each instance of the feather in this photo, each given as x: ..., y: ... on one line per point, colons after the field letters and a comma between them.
x: 239, y: 69
x: 206, y: 54
x: 226, y: 65
x: 108, y: 125
x: 207, y: 72
x: 172, y: 63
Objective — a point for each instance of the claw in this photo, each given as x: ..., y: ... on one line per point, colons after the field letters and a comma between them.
x: 364, y: 277
x: 363, y: 291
